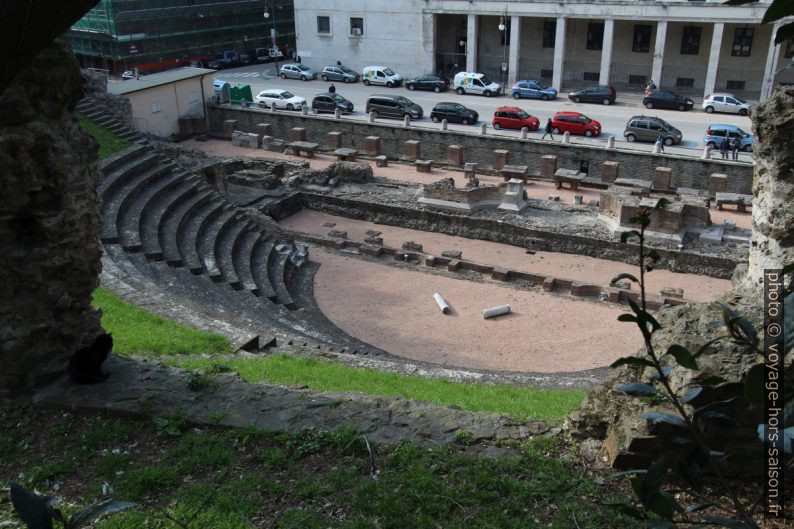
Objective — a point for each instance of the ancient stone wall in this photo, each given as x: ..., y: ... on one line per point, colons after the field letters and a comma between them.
x: 469, y: 195
x: 686, y: 171
x: 49, y: 223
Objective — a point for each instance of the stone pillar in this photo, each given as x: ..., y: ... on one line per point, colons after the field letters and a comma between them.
x: 559, y: 54
x: 499, y: 158
x: 297, y: 134
x: 548, y: 166
x: 472, y: 30
x: 609, y: 171
x: 455, y: 154
x: 658, y: 52
x: 263, y: 129
x: 413, y: 149
x: 372, y: 145
x: 718, y: 183
x: 714, y: 59
x: 334, y: 139
x: 606, y: 50
x: 770, y: 66
x: 229, y: 126
x: 515, y: 43
x: 661, y: 178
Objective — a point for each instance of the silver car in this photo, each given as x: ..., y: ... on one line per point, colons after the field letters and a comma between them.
x: 339, y: 73
x: 297, y: 71
x: 722, y: 102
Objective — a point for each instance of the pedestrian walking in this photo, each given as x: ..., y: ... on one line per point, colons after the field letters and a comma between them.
x: 332, y: 88
x: 724, y: 146
x: 660, y: 139
x: 548, y: 130
x: 735, y: 148
x: 338, y: 62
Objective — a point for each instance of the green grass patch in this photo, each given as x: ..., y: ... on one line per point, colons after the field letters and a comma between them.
x: 137, y: 332
x: 108, y: 142
x: 520, y: 402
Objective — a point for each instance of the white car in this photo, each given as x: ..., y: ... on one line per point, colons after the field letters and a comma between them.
x: 279, y: 98
x: 725, y: 103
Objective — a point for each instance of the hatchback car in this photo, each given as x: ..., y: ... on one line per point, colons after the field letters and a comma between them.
x: 533, y: 90
x: 279, y: 98
x: 594, y: 94
x: 432, y: 82
x: 647, y: 128
x: 662, y: 99
x: 715, y: 134
x: 297, y: 71
x: 339, y: 73
x: 329, y: 102
x: 725, y: 103
x: 454, y: 112
x: 575, y: 123
x: 514, y: 118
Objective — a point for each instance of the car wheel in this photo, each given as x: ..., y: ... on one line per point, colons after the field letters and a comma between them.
x: 577, y: 99
x: 607, y: 101
x: 649, y: 104
x: 709, y: 110
x: 516, y: 96
x: 324, y: 78
x: 366, y: 82
x: 556, y: 131
x: 742, y: 112
x: 273, y: 106
x: 681, y: 107
x: 460, y: 91
x: 315, y: 111
x: 487, y: 93
x: 435, y: 119
x: 497, y: 126
x: 544, y: 97
x: 410, y: 87
x: 290, y: 107
x: 464, y: 121
x: 389, y: 84
x: 374, y: 114
x: 346, y: 80
x: 631, y: 138
x: 711, y: 144
x: 303, y: 77
x: 748, y: 148
x: 437, y: 89
x: 588, y: 133
x: 283, y: 76
x: 668, y: 141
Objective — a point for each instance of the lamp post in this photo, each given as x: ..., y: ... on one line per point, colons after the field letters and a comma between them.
x: 274, y: 43
x: 503, y: 29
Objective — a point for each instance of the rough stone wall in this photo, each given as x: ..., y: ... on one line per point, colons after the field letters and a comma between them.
x: 49, y: 223
x: 470, y: 195
x: 686, y: 171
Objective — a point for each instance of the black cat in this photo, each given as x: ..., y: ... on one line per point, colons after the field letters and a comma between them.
x: 85, y: 366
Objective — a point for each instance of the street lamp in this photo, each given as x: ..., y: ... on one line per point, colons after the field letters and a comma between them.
x: 503, y: 29
x: 274, y: 44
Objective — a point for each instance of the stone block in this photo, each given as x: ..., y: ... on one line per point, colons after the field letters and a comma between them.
x: 374, y: 239
x: 372, y: 145
x: 381, y: 161
x: 297, y: 134
x: 334, y: 139
x: 661, y: 178
x: 339, y: 234
x: 609, y: 171
x: 718, y: 183
x: 554, y: 197
x: 412, y: 149
x: 239, y: 138
x: 671, y: 292
x: 452, y: 254
x: 423, y: 166
x: 453, y: 265
x: 548, y: 166
x: 229, y: 126
x: 470, y: 170
x: 577, y: 199
x: 548, y: 284
x: 263, y: 129
x: 455, y: 154
x: 500, y: 274
x: 499, y: 159
x: 729, y: 225
x: 411, y: 246
x: 374, y: 250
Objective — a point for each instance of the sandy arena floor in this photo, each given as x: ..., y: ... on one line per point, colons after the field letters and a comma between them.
x: 394, y: 309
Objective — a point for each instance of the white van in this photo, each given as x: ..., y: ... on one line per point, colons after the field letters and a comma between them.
x: 380, y: 75
x: 475, y: 83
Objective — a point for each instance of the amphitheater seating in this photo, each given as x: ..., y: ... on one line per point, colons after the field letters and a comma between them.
x: 98, y: 115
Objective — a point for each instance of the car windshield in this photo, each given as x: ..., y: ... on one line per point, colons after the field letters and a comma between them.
x: 522, y: 114
x: 460, y: 108
x: 743, y: 133
x: 338, y: 98
x: 665, y: 125
x: 739, y: 99
x: 303, y: 68
x: 345, y: 69
x: 403, y: 100
x: 485, y: 80
x: 287, y: 95
x: 585, y: 118
x: 388, y: 71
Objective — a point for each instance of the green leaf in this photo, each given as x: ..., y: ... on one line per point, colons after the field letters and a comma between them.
x: 739, y: 326
x: 703, y: 348
x: 636, y: 390
x: 632, y: 360
x: 657, y: 417
x: 33, y: 509
x: 754, y: 385
x: 641, y: 220
x: 682, y: 356
x: 626, y: 235
x: 777, y: 9
x: 725, y: 522
x: 691, y: 394
x: 623, y: 276
x: 689, y: 470
x: 96, y: 510
x: 665, y: 370
x: 627, y: 317
x: 662, y: 203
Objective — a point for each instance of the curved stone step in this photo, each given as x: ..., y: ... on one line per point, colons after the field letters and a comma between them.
x: 118, y: 160
x: 207, y: 241
x: 276, y: 272
x: 157, y: 210
x: 227, y: 238
x: 241, y: 257
x: 195, y: 228
x: 263, y: 251
x: 170, y: 228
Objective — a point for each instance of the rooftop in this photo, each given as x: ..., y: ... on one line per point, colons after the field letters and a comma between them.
x: 156, y: 79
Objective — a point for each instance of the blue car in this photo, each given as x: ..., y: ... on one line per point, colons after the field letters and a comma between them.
x: 533, y: 90
x: 715, y: 134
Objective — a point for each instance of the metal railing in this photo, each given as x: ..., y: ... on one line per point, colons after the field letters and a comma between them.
x: 688, y: 80
x: 629, y: 77
x: 541, y: 70
x: 741, y: 82
x: 576, y: 74
x: 491, y: 65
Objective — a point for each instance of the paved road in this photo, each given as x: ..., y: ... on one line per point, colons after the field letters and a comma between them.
x: 613, y: 118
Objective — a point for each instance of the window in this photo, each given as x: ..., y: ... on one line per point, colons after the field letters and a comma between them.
x: 324, y: 25
x: 690, y: 40
x: 642, y: 39
x: 684, y: 82
x: 789, y: 48
x: 546, y: 74
x: 155, y: 107
x: 742, y: 42
x: 638, y: 80
x: 595, y: 35
x: 356, y: 26
x: 591, y: 76
x: 549, y: 33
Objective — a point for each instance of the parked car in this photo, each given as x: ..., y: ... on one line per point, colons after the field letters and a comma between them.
x: 297, y: 71
x: 388, y: 106
x: 454, y: 113
x: 339, y: 73
x: 723, y: 102
x: 533, y: 90
x: 647, y: 128
x: 514, y: 118
x: 268, y: 54
x: 130, y: 74
x: 594, y: 94
x: 228, y: 59
x: 329, y: 102
x: 662, y: 99
x: 715, y: 133
x: 380, y: 75
x: 575, y: 123
x: 280, y: 98
x: 245, y: 58
x: 475, y: 83
x: 433, y: 82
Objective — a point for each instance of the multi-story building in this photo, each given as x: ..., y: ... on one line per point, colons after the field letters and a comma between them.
x: 697, y: 47
x: 153, y: 35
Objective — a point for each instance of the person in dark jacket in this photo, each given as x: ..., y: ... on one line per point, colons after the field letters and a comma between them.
x: 549, y: 130
x: 735, y: 148
x: 724, y: 147
x: 332, y: 88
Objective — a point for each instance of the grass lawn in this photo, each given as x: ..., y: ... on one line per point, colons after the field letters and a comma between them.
x: 108, y: 142
x: 520, y: 402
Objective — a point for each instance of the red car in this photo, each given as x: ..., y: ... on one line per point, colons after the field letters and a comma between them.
x: 575, y: 123
x: 514, y: 118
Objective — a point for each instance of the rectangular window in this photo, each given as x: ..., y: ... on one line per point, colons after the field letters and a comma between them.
x: 742, y: 42
x: 789, y: 48
x: 684, y: 82
x: 690, y: 40
x: 155, y: 107
x: 642, y: 39
x: 549, y: 33
x: 356, y: 26
x: 595, y: 35
x: 734, y: 85
x: 638, y: 80
x: 324, y: 25
x: 546, y: 74
x: 591, y: 76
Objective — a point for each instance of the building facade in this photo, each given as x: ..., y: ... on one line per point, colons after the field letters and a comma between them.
x: 695, y: 47
x: 155, y: 35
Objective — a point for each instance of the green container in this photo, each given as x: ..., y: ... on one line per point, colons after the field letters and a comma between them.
x: 240, y: 92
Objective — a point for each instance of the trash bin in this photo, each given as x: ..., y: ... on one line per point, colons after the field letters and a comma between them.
x: 222, y: 91
x: 237, y: 93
